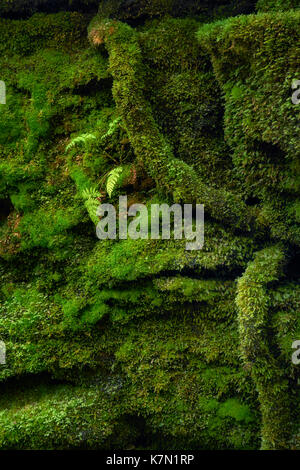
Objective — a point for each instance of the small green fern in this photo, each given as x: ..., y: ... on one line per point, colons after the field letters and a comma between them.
x: 91, y: 203
x: 111, y: 128
x: 81, y: 139
x: 113, y: 179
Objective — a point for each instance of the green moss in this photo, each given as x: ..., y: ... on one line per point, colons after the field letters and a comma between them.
x: 270, y: 379
x: 152, y: 149
x: 148, y: 342
x: 277, y: 5
x: 262, y: 135
x: 58, y: 417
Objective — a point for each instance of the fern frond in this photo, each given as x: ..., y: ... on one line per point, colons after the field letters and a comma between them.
x: 91, y: 202
x: 111, y: 128
x: 91, y: 206
x: 90, y: 193
x: 81, y: 139
x: 113, y: 179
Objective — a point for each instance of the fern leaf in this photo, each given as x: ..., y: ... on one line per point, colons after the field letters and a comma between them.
x: 81, y: 139
x: 113, y: 179
x: 90, y: 193
x: 91, y: 206
x: 91, y: 202
x: 111, y: 128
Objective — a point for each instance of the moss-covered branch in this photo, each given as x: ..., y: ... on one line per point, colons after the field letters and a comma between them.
x: 253, y: 306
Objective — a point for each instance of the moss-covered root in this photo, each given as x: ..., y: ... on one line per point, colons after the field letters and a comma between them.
x: 252, y: 302
x: 151, y: 148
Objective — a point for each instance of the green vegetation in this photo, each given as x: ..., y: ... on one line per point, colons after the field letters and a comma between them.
x: 140, y: 343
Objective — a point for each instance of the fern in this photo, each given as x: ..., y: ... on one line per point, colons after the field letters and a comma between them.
x: 81, y: 139
x: 111, y: 128
x: 90, y: 193
x: 113, y: 179
x: 91, y: 203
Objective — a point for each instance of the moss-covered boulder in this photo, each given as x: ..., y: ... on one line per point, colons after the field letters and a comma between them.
x: 140, y: 343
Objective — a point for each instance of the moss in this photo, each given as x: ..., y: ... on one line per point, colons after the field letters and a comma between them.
x: 265, y: 158
x: 58, y: 417
x: 123, y: 343
x: 152, y: 149
x: 138, y: 11
x: 270, y: 380
x: 277, y: 5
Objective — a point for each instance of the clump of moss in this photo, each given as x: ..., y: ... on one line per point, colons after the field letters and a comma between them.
x: 262, y: 135
x: 277, y: 5
x: 145, y: 338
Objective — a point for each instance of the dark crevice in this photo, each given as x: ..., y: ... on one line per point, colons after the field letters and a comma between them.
x: 227, y: 274
x: 292, y: 269
x: 253, y: 201
x: 93, y: 87
x: 25, y: 9
x: 18, y: 385
x: 272, y: 152
x: 133, y: 11
x: 6, y: 208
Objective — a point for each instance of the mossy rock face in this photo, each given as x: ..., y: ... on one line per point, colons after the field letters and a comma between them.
x: 277, y: 5
x: 138, y: 11
x: 26, y: 8
x: 122, y: 343
x: 265, y: 158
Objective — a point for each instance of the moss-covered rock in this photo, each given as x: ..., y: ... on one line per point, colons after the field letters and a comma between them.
x: 139, y: 343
